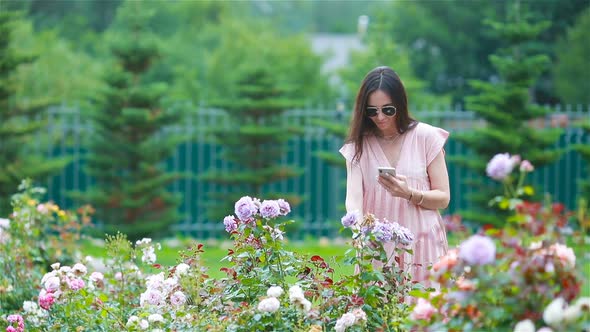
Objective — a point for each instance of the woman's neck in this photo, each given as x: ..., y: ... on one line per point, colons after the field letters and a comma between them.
x: 389, y: 134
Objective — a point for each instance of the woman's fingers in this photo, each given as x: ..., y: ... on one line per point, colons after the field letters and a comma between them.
x: 393, y: 184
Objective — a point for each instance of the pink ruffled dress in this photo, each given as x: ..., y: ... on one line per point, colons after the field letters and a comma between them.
x: 419, y: 148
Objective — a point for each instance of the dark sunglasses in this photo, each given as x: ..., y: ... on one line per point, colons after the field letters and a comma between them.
x: 387, y: 110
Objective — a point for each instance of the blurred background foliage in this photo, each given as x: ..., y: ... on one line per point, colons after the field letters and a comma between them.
x: 207, y: 46
x: 436, y: 45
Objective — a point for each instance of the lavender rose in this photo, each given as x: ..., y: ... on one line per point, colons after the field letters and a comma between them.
x: 500, y: 166
x: 383, y: 231
x: 350, y: 219
x: 245, y: 208
x: 230, y: 224
x: 403, y: 235
x: 270, y: 209
x: 478, y: 250
x: 285, y: 207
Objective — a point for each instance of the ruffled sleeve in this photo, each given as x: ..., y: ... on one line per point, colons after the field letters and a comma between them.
x: 348, y: 150
x: 435, y: 141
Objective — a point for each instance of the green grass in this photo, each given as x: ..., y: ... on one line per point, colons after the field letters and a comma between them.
x: 586, y: 285
x: 333, y: 253
x: 215, y: 251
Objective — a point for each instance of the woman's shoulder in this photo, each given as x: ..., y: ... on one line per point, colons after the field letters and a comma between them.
x: 423, y: 129
x: 429, y: 132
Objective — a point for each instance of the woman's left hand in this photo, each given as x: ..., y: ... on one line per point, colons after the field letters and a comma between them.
x: 395, y: 185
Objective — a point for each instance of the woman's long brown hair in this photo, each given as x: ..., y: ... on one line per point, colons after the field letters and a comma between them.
x: 384, y: 79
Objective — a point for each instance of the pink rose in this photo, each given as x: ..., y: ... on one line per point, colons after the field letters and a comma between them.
x: 76, y: 283
x: 423, y: 310
x: 446, y: 262
x: 565, y: 254
x: 526, y: 166
x: 46, y: 299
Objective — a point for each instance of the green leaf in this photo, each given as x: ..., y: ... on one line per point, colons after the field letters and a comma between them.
x: 504, y: 204
x: 419, y: 293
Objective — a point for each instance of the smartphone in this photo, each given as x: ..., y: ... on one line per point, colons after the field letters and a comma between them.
x: 387, y: 170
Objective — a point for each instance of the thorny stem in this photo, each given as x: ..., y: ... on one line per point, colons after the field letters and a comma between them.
x: 103, y: 307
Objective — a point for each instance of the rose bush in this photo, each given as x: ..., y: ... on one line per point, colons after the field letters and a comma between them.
x: 520, y: 277
x: 34, y: 236
x: 266, y: 288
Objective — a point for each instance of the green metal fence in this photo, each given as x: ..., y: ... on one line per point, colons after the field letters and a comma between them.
x: 321, y: 185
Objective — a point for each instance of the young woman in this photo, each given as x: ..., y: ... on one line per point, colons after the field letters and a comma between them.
x: 382, y: 134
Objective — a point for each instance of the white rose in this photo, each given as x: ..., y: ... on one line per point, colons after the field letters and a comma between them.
x: 525, y: 326
x: 553, y: 314
x: 181, y: 269
x: 29, y: 306
x: 153, y: 318
x: 571, y: 313
x: 583, y: 303
x: 274, y: 291
x: 348, y: 319
x: 52, y: 284
x: 270, y: 304
x: 132, y: 320
x: 143, y: 324
x: 296, y: 293
x: 79, y: 269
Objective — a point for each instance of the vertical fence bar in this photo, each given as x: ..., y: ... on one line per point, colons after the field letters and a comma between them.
x: 50, y: 119
x: 187, y: 167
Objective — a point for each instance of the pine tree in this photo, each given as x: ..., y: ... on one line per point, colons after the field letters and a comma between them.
x: 584, y: 151
x: 129, y: 145
x: 338, y: 129
x: 20, y: 122
x: 254, y: 75
x: 255, y: 140
x: 506, y: 107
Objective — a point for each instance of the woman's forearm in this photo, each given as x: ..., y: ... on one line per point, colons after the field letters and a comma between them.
x: 430, y: 199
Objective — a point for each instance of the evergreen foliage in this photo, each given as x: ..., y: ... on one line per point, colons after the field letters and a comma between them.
x: 129, y: 144
x: 572, y: 72
x: 449, y: 42
x: 507, y: 109
x: 584, y: 151
x: 263, y: 80
x: 338, y: 130
x: 254, y: 142
x: 20, y: 121
x: 381, y: 49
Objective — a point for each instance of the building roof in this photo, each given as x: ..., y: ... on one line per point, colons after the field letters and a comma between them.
x: 336, y: 48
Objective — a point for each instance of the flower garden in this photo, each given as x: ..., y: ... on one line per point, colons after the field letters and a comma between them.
x: 524, y: 276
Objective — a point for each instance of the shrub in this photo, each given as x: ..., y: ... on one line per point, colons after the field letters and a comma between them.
x: 514, y: 278
x: 267, y: 288
x: 35, y: 235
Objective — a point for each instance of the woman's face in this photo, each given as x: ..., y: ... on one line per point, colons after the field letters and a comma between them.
x: 386, y: 124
